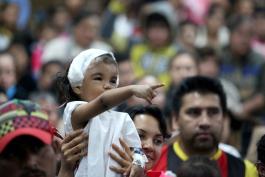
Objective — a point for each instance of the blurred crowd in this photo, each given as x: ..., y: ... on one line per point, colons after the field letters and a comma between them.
x: 154, y: 41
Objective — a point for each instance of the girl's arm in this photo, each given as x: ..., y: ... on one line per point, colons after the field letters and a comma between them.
x: 108, y: 99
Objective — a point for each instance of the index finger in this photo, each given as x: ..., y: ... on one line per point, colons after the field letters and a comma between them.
x: 157, y: 86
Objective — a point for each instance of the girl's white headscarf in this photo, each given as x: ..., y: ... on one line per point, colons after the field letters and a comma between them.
x: 80, y: 63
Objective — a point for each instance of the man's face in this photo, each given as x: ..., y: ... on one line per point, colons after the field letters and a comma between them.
x: 7, y: 71
x: 241, y: 37
x: 200, y: 122
x: 26, y: 158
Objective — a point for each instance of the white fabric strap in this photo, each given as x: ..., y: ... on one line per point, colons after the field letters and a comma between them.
x: 80, y: 64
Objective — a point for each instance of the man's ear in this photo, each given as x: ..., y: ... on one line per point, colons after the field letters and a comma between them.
x: 174, y: 121
x: 77, y: 90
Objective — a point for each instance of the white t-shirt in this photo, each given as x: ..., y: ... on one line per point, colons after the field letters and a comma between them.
x: 103, y: 130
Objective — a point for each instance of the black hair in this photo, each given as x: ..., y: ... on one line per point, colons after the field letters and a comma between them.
x: 259, y: 12
x: 198, y: 166
x: 155, y: 19
x: 122, y: 56
x: 51, y: 62
x: 261, y: 149
x: 205, y: 52
x: 201, y: 84
x: 183, y: 52
x: 81, y: 16
x: 66, y: 92
x: 152, y: 110
x: 236, y: 21
x: 214, y: 7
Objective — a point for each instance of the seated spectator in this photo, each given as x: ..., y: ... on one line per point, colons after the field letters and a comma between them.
x: 8, y: 78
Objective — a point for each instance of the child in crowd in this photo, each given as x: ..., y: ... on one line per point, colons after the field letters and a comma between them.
x: 90, y: 88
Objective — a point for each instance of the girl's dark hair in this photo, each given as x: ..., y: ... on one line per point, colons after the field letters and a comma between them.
x: 152, y: 110
x: 66, y: 93
x: 261, y: 149
x: 198, y: 166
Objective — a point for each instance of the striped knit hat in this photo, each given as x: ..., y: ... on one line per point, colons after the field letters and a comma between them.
x: 21, y: 117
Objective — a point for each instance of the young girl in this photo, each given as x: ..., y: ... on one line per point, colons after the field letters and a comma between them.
x: 91, y: 90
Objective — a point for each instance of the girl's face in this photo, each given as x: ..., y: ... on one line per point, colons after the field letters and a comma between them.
x: 151, y: 137
x: 100, y: 76
x: 182, y: 66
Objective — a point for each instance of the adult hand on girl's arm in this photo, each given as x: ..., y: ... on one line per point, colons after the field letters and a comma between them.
x: 124, y: 159
x: 73, y: 148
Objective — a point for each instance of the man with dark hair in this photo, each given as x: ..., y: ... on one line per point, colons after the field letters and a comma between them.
x: 199, y: 107
x: 261, y: 156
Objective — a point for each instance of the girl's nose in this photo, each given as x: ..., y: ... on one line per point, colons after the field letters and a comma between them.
x: 148, y: 144
x: 108, y: 86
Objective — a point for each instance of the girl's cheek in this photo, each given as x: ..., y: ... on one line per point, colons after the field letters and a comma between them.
x: 157, y: 152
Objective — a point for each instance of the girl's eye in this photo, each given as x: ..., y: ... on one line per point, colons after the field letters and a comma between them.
x: 141, y: 136
x: 98, y: 78
x: 113, y: 81
x: 158, y: 141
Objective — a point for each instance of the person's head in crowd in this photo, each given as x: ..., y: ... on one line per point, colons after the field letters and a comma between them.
x: 187, y: 32
x: 182, y: 65
x: 25, y: 141
x: 49, y: 104
x: 199, y: 107
x: 45, y: 32
x: 48, y: 73
x: 244, y: 7
x: 151, y: 127
x: 215, y: 18
x: 159, y: 100
x: 126, y: 72
x: 74, y: 7
x: 9, y: 15
x: 157, y: 29
x: 7, y: 70
x: 20, y: 53
x: 81, y: 23
x: 208, y: 62
x: 261, y: 156
x: 198, y: 166
x: 60, y: 18
x: 241, y: 28
x: 259, y: 17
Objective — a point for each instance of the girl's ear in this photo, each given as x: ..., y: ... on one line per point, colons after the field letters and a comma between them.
x: 77, y: 90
